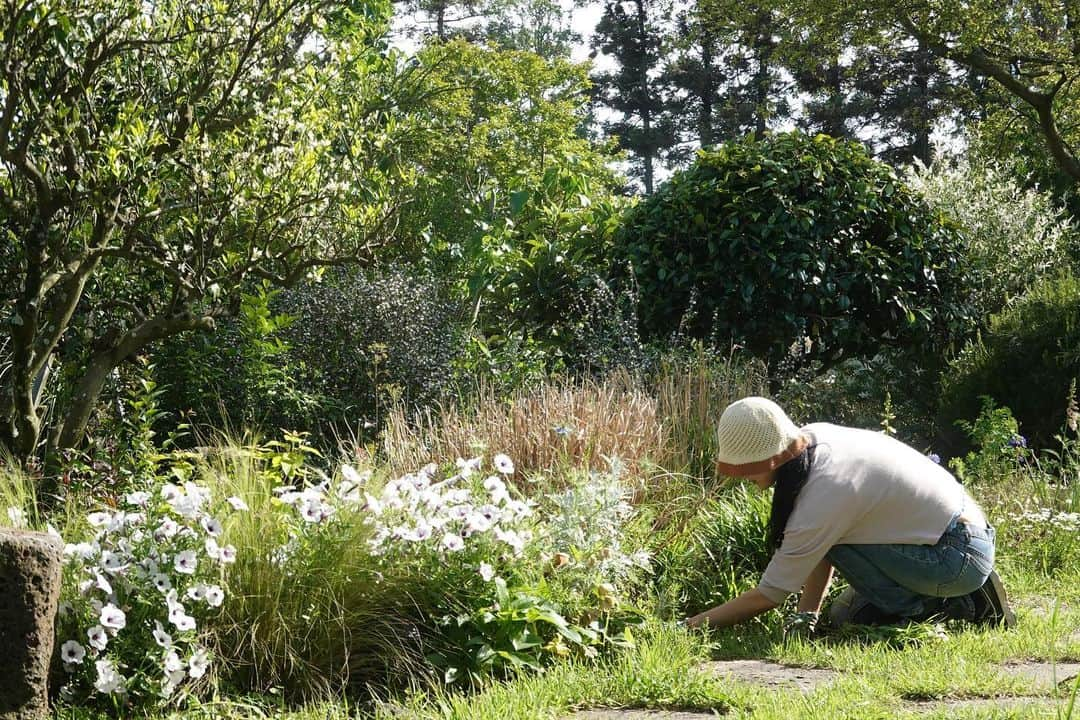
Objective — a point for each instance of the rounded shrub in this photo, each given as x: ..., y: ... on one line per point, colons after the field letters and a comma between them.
x: 794, y: 245
x: 1025, y: 360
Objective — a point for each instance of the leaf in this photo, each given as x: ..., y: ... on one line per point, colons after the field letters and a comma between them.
x: 518, y: 200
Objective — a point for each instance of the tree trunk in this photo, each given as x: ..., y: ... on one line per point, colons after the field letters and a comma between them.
x: 708, y: 90
x: 648, y: 155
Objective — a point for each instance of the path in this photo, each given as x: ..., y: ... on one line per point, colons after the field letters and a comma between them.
x: 1041, y: 675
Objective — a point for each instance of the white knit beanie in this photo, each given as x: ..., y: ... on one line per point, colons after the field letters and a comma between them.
x: 754, y: 436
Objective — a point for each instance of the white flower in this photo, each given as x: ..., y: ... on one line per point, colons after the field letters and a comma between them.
x: 211, y: 526
x: 198, y: 663
x: 108, y: 680
x: 111, y: 562
x: 99, y: 519
x: 372, y: 504
x: 161, y: 582
x: 313, y: 510
x: 228, y: 554
x: 467, y: 467
x: 351, y: 475
x: 72, y: 653
x: 477, y: 523
x: 503, y: 464
x: 170, y: 492
x: 197, y: 592
x: 497, y: 489
x: 84, y: 551
x: 421, y: 532
x: 98, y: 638
x: 102, y: 584
x: 237, y: 503
x: 173, y: 664
x: 213, y: 550
x: 17, y: 517
x: 486, y: 572
x: 186, y: 562
x: 180, y: 619
x: 167, y: 529
x: 214, y: 596
x: 113, y: 617
x: 452, y: 542
x: 53, y: 531
x: 139, y: 498
x: 161, y: 637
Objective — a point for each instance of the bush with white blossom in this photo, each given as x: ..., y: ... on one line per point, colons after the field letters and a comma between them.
x: 136, y: 591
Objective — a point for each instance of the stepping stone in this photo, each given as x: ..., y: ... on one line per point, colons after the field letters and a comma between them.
x: 770, y: 674
x: 1044, y: 675
x: 996, y: 703
x: 615, y: 714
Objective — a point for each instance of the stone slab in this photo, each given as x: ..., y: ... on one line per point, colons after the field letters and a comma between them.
x: 1043, y: 675
x: 770, y: 674
x: 617, y: 714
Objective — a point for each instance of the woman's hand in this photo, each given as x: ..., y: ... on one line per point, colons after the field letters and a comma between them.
x: 750, y: 604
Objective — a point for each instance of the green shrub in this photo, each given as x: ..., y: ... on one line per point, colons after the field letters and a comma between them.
x: 1025, y: 360
x: 794, y: 245
x: 362, y: 341
x: 1013, y: 235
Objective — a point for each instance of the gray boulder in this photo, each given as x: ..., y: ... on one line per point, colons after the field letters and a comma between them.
x: 30, y: 564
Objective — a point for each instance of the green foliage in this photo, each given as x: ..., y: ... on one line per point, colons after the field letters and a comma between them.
x: 794, y: 245
x: 364, y: 341
x: 1025, y: 360
x: 715, y: 549
x: 999, y: 451
x: 240, y: 375
x: 1013, y: 235
x: 518, y: 631
x: 155, y: 163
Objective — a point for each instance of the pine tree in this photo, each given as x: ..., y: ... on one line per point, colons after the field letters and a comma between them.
x: 630, y: 32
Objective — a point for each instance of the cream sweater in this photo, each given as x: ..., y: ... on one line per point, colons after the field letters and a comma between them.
x: 864, y: 488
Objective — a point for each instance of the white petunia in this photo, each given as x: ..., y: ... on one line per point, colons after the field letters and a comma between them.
x: 108, y: 679
x: 420, y: 533
x: 181, y: 620
x: 72, y: 653
x: 99, y: 519
x: 213, y: 550
x: 503, y: 464
x: 102, y: 584
x: 138, y: 499
x: 197, y: 592
x: 467, y: 467
x: 172, y: 662
x: 170, y: 492
x: 113, y: 617
x: 111, y: 562
x: 214, y: 596
x: 84, y: 551
x: 161, y: 582
x: 486, y: 572
x: 228, y: 555
x: 186, y: 562
x: 452, y: 542
x: 167, y: 529
x: 98, y: 638
x: 496, y: 487
x: 372, y: 504
x: 477, y: 523
x: 161, y: 637
x: 313, y: 510
x: 237, y: 503
x: 198, y: 664
x: 211, y: 526
x: 356, y: 478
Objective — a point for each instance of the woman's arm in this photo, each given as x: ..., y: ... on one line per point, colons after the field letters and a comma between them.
x: 750, y: 604
x: 815, y: 587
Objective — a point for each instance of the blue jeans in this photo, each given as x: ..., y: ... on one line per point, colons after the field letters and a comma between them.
x: 909, y: 580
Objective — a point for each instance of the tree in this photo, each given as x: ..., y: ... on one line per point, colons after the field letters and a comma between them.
x: 154, y: 164
x: 1030, y: 48
x: 629, y: 32
x: 794, y: 246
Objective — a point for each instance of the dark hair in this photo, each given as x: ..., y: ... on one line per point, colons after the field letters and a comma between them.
x: 789, y: 480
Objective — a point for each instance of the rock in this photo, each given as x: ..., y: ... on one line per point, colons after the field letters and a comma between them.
x: 772, y: 675
x: 30, y: 565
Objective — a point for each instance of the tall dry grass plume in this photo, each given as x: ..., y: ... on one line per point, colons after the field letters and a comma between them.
x: 665, y: 422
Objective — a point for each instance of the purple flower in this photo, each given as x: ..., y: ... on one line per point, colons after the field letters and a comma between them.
x: 935, y: 458
x: 1018, y: 441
